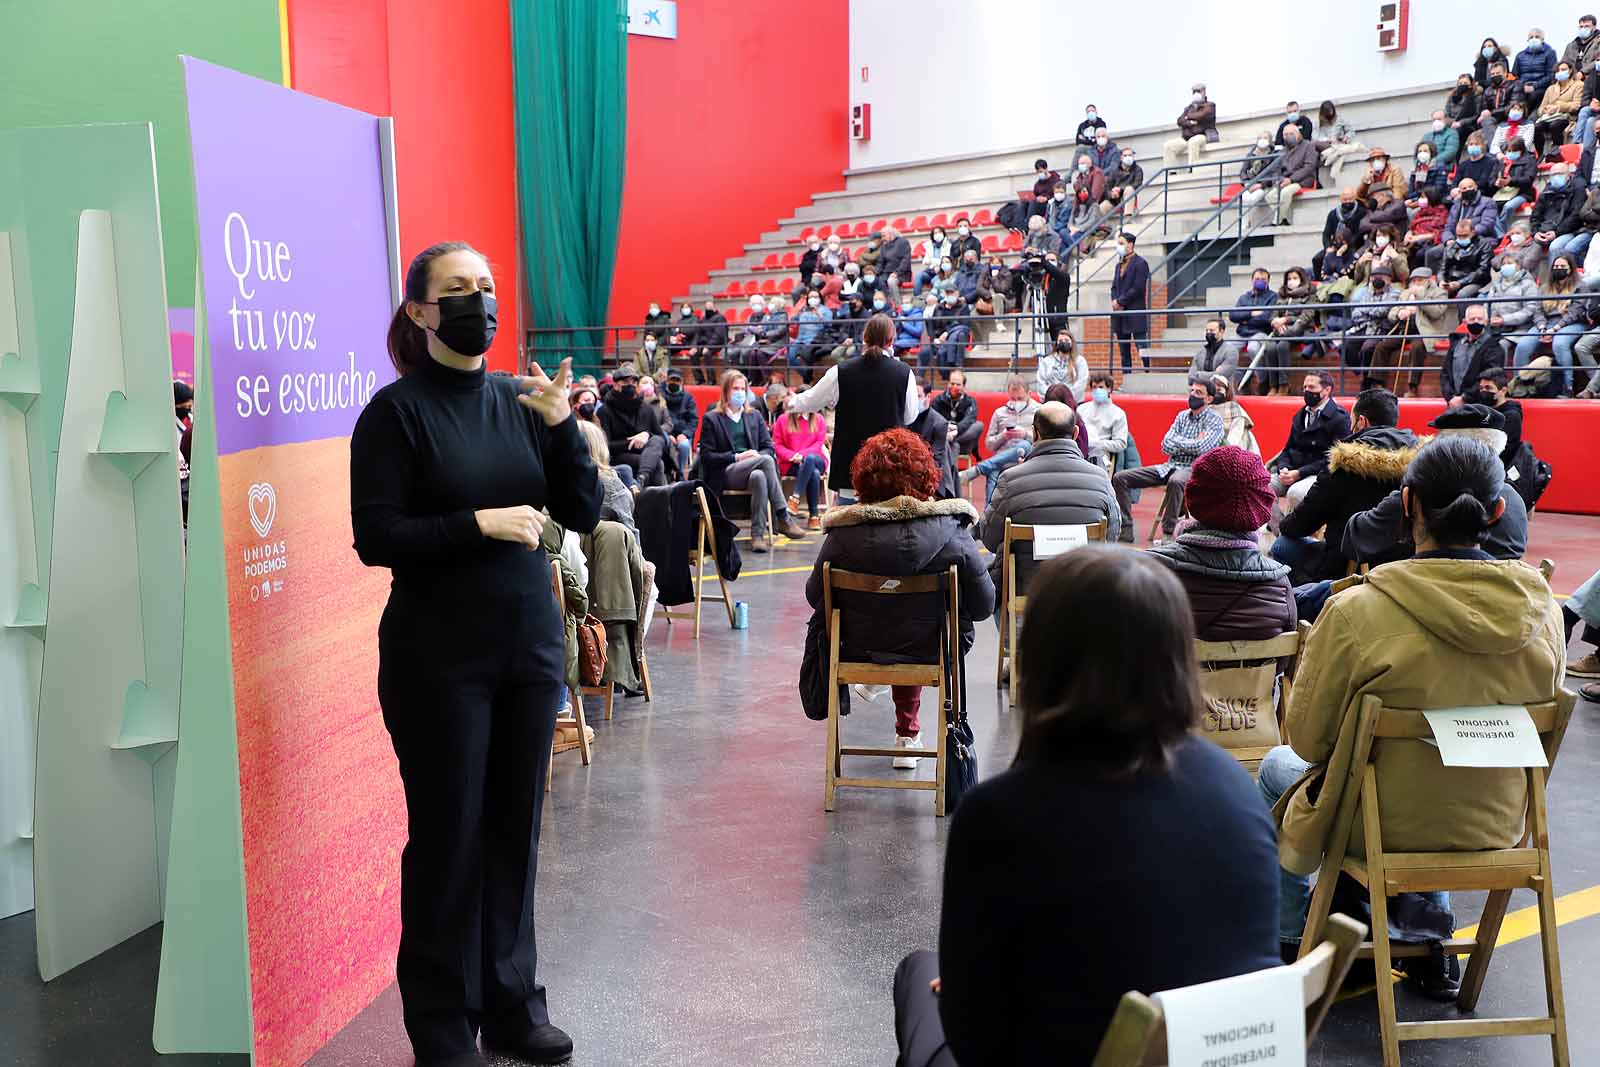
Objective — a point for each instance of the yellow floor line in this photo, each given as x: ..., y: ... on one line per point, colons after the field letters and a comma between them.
x: 1524, y: 922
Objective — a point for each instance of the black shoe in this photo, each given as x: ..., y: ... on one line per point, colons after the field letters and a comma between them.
x: 460, y: 1059
x: 1435, y: 976
x: 541, y: 1044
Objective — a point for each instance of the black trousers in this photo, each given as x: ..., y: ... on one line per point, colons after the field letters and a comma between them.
x: 917, y: 1026
x: 648, y: 463
x: 968, y: 438
x: 471, y: 717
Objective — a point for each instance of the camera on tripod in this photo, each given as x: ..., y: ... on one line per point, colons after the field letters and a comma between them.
x: 1032, y: 265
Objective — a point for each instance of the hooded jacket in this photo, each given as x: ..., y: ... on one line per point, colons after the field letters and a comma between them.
x: 899, y: 537
x: 683, y: 411
x: 1055, y: 484
x: 1417, y: 633
x: 1235, y: 592
x: 1361, y: 472
x: 1523, y: 312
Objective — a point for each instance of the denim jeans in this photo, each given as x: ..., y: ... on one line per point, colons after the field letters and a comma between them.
x: 684, y: 447
x: 1001, y: 461
x: 1561, y: 348
x: 1571, y: 244
x: 807, y: 473
x: 1280, y: 770
x: 1297, y: 553
x: 1507, y: 213
x: 1309, y: 599
x: 1585, y: 131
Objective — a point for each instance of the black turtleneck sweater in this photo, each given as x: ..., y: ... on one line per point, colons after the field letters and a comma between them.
x: 439, y: 444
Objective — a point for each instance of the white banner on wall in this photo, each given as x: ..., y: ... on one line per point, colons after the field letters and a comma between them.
x: 653, y: 18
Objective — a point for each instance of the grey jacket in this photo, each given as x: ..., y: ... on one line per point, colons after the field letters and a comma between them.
x: 1299, y: 164
x: 1523, y: 313
x: 1055, y: 484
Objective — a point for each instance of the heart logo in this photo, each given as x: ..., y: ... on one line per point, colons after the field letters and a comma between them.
x: 263, y: 507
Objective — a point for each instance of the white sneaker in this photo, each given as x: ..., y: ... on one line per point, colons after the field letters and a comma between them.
x: 869, y: 692
x: 907, y: 763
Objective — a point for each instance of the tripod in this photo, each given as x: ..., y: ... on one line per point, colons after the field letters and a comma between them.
x: 1040, y: 338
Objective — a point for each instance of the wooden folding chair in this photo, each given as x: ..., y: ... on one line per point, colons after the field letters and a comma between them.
x: 1137, y: 1035
x: 574, y: 716
x: 765, y: 502
x: 942, y: 672
x: 1498, y: 871
x: 1214, y: 656
x: 701, y: 549
x: 1012, y: 601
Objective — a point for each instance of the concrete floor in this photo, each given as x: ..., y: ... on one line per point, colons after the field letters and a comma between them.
x: 697, y: 906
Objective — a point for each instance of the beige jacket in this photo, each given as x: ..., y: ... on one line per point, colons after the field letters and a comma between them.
x: 1420, y: 633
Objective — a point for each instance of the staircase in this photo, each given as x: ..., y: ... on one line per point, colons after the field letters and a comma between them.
x: 969, y: 184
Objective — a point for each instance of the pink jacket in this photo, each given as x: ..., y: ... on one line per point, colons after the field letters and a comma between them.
x: 802, y: 440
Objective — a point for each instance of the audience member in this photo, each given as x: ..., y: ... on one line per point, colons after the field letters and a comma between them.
x: 1554, y: 223
x: 1577, y: 336
x: 684, y: 326
x: 872, y: 392
x: 867, y: 258
x: 909, y: 326
x: 771, y: 403
x: 1294, y: 317
x: 1555, y: 300
x: 1105, y: 153
x: 1238, y: 428
x: 1235, y: 591
x: 1443, y: 141
x: 1193, y: 433
x: 1501, y: 95
x: 1062, y: 394
x: 1044, y: 181
x: 935, y: 259
x: 1490, y: 54
x: 1312, y: 432
x: 1348, y: 212
x: 935, y: 433
x: 1332, y: 138
x: 1062, y: 365
x: 1091, y: 124
x: 806, y: 349
x: 1583, y: 606
x: 847, y: 326
x: 657, y: 323
x: 1558, y: 110
x: 1216, y: 355
x: 1251, y: 315
x: 1518, y: 244
x: 1471, y: 353
x: 960, y: 410
x: 1381, y: 172
x: 965, y: 240
x: 683, y: 416
x: 1106, y: 423
x: 835, y: 255
x: 1428, y: 226
x: 1535, y: 67
x: 1130, y: 295
x: 1369, y: 319
x: 1512, y: 297
x: 1362, y: 470
x: 1427, y: 174
x: 1296, y: 170
x: 1477, y: 165
x: 1292, y: 118
x: 1521, y: 168
x: 1333, y: 265
x: 1463, y: 264
x: 800, y: 441
x: 616, y: 500
x: 1088, y: 177
x: 1106, y: 628
x: 1257, y: 169
x: 1382, y: 533
x: 1058, y: 212
x: 1386, y: 217
x: 1122, y: 182
x: 1010, y: 436
x: 1083, y: 225
x: 949, y: 331
x: 894, y: 262
x: 634, y: 430
x: 1405, y: 636
x: 736, y: 452
x: 1040, y: 238
x: 1197, y: 125
x: 1415, y: 328
x: 899, y: 529
x: 1054, y: 485
x: 1585, y: 124
x: 1491, y: 393
x: 1581, y: 240
x: 971, y: 277
x: 654, y: 356
x: 1464, y: 106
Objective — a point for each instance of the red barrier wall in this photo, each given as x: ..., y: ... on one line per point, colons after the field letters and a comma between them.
x: 447, y: 82
x: 730, y: 127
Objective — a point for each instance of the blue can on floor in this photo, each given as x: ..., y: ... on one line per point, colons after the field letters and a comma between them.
x: 741, y: 615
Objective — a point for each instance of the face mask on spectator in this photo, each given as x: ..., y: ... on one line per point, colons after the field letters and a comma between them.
x: 1381, y: 240
x: 906, y: 304
x: 586, y: 410
x: 1100, y: 393
x: 950, y: 300
x: 1083, y: 166
x: 963, y: 230
x: 879, y: 303
x: 685, y: 312
x: 647, y: 390
x: 1212, y: 337
x: 1508, y: 270
x: 1017, y: 405
x: 814, y: 301
x: 1474, y: 150
x: 1558, y: 181
x: 1102, y: 140
x: 1064, y: 347
x: 736, y: 399
x: 1535, y: 42
x: 1424, y: 158
x: 938, y: 236
x: 627, y: 389
x: 1464, y: 242
x: 1563, y: 75
x: 1488, y: 53
x: 1474, y: 328
x: 1311, y: 399
x: 1560, y: 272
x: 1293, y: 116
x: 1061, y: 196
x: 1438, y: 125
x: 1517, y: 238
x: 1197, y: 97
x: 1584, y: 31
x: 1092, y: 114
x: 869, y: 278
x: 1515, y: 114
x: 1263, y: 143
x: 816, y: 246
x: 655, y: 309
x: 1196, y: 402
x: 1258, y: 284
x: 758, y: 304
x: 944, y: 264
x: 1378, y: 165
x: 649, y: 344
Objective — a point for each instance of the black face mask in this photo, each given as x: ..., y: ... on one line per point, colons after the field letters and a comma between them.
x: 1379, y: 285
x: 1469, y: 195
x: 1196, y: 402
x: 467, y: 323
x: 586, y: 411
x: 1311, y: 399
x: 1475, y: 328
x: 1063, y: 347
x: 183, y: 413
x: 1212, y: 340
x: 627, y: 390
x: 1559, y: 272
x: 674, y: 388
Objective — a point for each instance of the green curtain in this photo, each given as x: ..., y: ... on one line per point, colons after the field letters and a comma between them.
x: 570, y: 77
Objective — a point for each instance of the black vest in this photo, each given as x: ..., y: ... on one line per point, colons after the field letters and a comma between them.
x: 872, y: 399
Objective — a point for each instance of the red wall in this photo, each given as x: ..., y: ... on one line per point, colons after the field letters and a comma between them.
x: 446, y: 79
x: 730, y: 128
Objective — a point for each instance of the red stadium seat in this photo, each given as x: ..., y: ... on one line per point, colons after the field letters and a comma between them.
x: 790, y: 261
x: 1228, y: 194
x: 824, y: 233
x: 919, y: 251
x: 770, y: 263
x: 939, y: 221
x: 991, y: 242
x: 842, y: 231
x: 900, y: 226
x: 880, y: 225
x: 732, y: 289
x: 983, y: 218
x: 1012, y: 243
x: 770, y: 287
x: 751, y: 286
x: 804, y: 236
x: 919, y: 224
x: 861, y: 230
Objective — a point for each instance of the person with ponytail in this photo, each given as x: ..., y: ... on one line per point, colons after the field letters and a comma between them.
x: 873, y: 392
x: 453, y: 475
x: 1450, y: 627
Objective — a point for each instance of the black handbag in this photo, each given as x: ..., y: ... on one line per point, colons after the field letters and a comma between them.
x: 960, y: 750
x: 814, y: 673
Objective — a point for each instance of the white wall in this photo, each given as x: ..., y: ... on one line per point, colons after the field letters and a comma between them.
x: 953, y: 77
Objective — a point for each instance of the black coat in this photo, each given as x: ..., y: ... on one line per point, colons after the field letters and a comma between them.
x: 962, y: 410
x: 932, y: 428
x: 666, y: 516
x: 1339, y: 217
x: 1470, y: 265
x: 683, y: 411
x: 1361, y: 472
x: 716, y: 445
x: 712, y: 332
x: 896, y: 259
x: 621, y: 419
x: 1307, y: 449
x: 1557, y: 209
x: 1129, y: 287
x: 1486, y: 353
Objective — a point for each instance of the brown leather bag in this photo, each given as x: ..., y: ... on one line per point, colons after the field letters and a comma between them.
x: 591, y: 651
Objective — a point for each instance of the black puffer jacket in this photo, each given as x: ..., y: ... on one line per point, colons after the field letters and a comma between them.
x: 1361, y: 472
x: 900, y: 537
x: 1235, y: 593
x: 1055, y: 484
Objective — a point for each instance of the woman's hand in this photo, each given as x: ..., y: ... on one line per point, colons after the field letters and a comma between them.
x: 549, y: 398
x: 521, y: 524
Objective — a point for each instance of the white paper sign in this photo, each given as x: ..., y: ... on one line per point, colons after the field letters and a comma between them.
x: 1255, y: 1018
x: 1053, y: 540
x: 653, y: 18
x: 1496, y: 736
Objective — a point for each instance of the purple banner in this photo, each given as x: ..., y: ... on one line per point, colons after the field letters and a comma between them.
x: 294, y: 257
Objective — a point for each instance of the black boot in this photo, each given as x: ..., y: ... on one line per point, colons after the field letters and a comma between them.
x: 540, y: 1044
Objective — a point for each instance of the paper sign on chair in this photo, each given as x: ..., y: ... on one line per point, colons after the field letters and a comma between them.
x: 1251, y: 1018
x: 1053, y: 540
x: 1494, y: 736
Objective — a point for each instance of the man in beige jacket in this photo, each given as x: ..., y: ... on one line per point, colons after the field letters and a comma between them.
x: 1450, y: 627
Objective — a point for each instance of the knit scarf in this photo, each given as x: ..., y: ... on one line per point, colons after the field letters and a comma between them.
x: 1201, y: 537
x: 1221, y: 554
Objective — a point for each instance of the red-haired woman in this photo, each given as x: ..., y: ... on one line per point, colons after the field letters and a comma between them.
x: 898, y: 528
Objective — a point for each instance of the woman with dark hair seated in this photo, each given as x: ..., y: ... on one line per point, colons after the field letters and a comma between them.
x: 1063, y: 393
x: 1120, y: 851
x: 1450, y: 627
x: 898, y: 528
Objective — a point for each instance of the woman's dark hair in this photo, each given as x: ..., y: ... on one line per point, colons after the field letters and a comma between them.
x: 408, y: 342
x: 1456, y: 482
x: 1108, y: 644
x: 894, y: 463
x: 1327, y: 112
x: 877, y: 336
